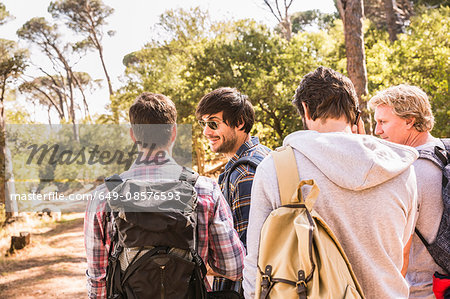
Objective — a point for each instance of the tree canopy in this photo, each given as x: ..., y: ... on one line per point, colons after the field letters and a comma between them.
x: 194, y: 60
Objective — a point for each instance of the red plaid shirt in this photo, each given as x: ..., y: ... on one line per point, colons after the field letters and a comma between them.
x: 218, y: 243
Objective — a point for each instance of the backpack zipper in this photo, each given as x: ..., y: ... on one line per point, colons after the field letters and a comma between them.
x: 162, y: 281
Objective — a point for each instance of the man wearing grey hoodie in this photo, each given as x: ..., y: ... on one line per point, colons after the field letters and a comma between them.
x: 368, y: 193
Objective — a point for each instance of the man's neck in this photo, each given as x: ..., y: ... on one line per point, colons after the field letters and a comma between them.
x: 153, y: 155
x: 243, y: 139
x: 416, y: 138
x: 331, y: 125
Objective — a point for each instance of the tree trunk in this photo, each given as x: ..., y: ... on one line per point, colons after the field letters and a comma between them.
x: 2, y: 151
x: 11, y: 206
x: 393, y: 21
x: 354, y: 45
x: 287, y: 28
x: 352, y: 13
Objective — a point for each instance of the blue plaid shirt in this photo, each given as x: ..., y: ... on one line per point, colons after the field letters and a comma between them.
x: 240, y: 185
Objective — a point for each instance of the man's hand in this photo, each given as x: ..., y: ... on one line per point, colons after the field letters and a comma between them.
x: 406, y: 256
x: 359, y: 128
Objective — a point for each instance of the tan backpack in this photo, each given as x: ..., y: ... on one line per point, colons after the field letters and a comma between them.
x: 299, y: 256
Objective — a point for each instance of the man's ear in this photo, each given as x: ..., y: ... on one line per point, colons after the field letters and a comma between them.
x: 410, y: 122
x: 174, y: 134
x: 132, y: 135
x: 240, y: 125
x: 305, y: 108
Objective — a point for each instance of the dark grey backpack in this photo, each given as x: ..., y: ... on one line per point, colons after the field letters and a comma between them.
x: 153, y: 245
x: 440, y: 248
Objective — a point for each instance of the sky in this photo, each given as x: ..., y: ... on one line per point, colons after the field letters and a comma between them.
x: 132, y: 20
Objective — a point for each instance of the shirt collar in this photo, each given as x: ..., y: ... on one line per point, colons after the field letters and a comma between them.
x: 252, y: 142
x: 170, y: 161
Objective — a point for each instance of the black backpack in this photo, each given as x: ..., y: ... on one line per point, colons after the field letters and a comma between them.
x: 440, y: 248
x: 152, y: 251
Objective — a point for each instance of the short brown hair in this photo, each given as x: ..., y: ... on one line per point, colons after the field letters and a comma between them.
x: 327, y: 94
x: 407, y: 101
x: 235, y: 106
x: 152, y: 109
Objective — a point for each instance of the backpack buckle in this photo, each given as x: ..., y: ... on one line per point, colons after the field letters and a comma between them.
x: 266, y: 277
x: 301, y: 284
x: 265, y: 281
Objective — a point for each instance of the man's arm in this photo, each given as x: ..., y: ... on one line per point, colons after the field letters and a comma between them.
x: 411, y: 220
x: 96, y: 251
x: 240, y: 203
x: 265, y: 196
x: 226, y: 251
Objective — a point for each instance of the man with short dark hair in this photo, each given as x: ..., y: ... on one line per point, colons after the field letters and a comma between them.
x: 227, y: 116
x: 403, y: 115
x: 153, y: 129
x: 367, y: 186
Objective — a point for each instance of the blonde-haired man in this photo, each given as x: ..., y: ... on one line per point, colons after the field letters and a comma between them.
x: 403, y: 115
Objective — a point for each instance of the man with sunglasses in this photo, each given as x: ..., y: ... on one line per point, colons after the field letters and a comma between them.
x: 227, y: 116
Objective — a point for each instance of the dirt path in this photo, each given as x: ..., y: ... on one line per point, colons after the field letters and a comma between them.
x: 51, y: 267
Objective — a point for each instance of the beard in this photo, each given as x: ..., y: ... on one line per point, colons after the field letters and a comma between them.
x: 228, y: 144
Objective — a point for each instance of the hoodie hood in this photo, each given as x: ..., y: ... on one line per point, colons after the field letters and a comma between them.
x: 352, y: 161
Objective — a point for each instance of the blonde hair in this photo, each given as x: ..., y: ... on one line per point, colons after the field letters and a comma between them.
x: 407, y: 101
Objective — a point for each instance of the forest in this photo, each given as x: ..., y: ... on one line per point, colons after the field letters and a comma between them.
x: 376, y: 43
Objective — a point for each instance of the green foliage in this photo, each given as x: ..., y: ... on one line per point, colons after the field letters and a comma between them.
x: 302, y: 20
x: 431, y: 3
x: 82, y: 16
x: 39, y: 31
x: 4, y: 14
x: 419, y: 57
x: 51, y: 91
x: 13, y: 62
x: 198, y: 56
x: 87, y: 18
x: 17, y: 115
x: 160, y: 65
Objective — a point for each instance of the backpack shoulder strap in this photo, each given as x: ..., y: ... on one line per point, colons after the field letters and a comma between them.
x: 247, y: 160
x: 287, y: 173
x: 438, y: 156
x: 446, y: 142
x: 189, y: 176
x: 289, y: 184
x: 113, y: 181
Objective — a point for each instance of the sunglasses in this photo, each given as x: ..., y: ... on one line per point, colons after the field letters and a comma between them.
x: 212, y: 124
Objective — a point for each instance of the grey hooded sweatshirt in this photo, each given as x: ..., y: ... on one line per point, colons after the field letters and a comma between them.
x: 368, y: 197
